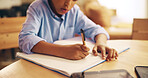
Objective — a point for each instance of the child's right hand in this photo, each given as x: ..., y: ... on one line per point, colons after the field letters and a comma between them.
x: 74, y: 52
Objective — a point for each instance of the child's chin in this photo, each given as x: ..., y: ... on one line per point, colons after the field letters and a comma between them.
x: 62, y: 13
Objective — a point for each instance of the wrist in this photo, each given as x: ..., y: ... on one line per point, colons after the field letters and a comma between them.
x: 100, y: 39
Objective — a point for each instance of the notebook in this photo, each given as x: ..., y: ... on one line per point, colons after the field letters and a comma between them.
x: 67, y: 67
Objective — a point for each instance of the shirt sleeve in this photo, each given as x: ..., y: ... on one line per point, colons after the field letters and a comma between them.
x: 28, y: 35
x: 90, y: 28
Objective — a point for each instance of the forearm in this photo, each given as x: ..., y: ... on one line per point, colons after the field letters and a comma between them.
x: 48, y: 48
x: 74, y: 52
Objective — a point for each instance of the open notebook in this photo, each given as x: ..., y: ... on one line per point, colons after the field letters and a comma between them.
x: 65, y: 66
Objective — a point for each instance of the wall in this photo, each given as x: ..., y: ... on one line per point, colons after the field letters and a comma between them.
x: 128, y: 9
x: 7, y: 4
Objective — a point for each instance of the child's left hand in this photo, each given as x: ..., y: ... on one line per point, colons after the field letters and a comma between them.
x: 112, y: 53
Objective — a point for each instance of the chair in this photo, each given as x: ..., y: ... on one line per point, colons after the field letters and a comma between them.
x: 9, y: 31
x: 140, y: 29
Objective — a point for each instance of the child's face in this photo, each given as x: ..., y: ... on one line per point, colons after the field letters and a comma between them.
x: 63, y: 6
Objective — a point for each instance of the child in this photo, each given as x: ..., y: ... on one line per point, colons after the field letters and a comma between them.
x: 51, y: 20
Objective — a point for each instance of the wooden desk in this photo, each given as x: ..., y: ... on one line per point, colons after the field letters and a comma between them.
x: 137, y: 55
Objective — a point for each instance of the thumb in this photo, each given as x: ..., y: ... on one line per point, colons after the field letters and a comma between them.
x: 95, y: 51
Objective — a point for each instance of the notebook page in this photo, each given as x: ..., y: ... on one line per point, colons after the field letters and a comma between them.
x: 69, y: 66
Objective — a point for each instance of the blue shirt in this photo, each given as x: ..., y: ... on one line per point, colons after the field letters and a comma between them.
x: 43, y: 24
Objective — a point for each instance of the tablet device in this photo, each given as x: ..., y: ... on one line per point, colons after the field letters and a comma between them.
x: 120, y: 73
x: 141, y: 71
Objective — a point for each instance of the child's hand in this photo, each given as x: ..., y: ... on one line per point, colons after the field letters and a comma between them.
x: 75, y: 52
x: 112, y: 53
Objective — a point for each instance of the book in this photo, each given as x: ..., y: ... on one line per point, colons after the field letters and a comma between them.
x: 65, y: 66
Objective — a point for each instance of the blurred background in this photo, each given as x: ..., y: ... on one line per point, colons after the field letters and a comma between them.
x: 13, y: 8
x: 127, y: 9
x: 13, y: 14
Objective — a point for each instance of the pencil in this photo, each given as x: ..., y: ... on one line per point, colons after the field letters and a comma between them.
x: 83, y: 36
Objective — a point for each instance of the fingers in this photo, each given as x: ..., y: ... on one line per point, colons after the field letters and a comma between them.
x: 80, y: 56
x: 85, y: 53
x: 102, y: 49
x: 85, y: 48
x: 112, y: 54
x: 81, y: 52
x: 103, y: 52
x: 116, y: 54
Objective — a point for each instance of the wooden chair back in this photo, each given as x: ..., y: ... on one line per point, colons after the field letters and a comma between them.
x: 140, y: 29
x: 9, y: 30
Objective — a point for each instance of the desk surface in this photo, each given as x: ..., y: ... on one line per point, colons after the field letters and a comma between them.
x: 136, y: 55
